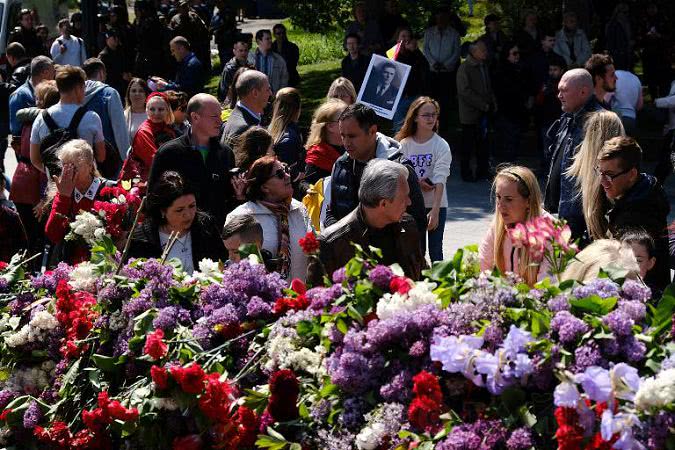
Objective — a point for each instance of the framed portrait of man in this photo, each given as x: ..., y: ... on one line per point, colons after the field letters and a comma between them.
x: 383, y: 85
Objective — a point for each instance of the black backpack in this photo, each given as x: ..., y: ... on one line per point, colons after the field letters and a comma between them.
x: 50, y: 144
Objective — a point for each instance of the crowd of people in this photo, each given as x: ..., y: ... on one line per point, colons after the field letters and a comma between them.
x: 219, y: 172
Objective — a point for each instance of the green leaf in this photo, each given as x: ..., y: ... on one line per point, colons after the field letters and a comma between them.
x: 594, y: 304
x: 328, y: 389
x: 105, y: 363
x: 69, y: 377
x: 342, y: 326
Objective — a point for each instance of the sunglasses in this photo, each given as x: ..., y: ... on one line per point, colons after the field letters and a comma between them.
x: 281, y: 173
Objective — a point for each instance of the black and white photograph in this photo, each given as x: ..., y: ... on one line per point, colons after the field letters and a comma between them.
x: 383, y: 85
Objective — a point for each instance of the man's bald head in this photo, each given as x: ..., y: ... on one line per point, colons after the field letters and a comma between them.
x: 253, y: 90
x: 574, y: 89
x: 197, y: 102
x: 203, y: 112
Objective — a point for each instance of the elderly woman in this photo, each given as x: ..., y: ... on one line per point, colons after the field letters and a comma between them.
x: 171, y: 207
x: 284, y: 220
x: 77, y: 188
x: 153, y: 132
x: 518, y: 200
x: 324, y: 144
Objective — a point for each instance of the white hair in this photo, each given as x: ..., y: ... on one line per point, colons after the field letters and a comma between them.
x: 579, y: 78
x: 380, y: 181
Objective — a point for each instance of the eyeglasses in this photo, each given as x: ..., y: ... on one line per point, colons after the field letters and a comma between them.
x: 429, y: 116
x: 281, y: 173
x: 608, y: 177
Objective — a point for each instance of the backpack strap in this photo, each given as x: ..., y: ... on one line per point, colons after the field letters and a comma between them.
x: 49, y: 121
x: 77, y: 118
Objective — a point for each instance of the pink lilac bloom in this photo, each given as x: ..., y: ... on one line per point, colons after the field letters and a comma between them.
x: 380, y: 276
x: 635, y: 290
x: 520, y: 439
x: 568, y: 327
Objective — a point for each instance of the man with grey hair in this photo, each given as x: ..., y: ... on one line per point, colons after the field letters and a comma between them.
x: 380, y: 220
x: 575, y: 92
x: 200, y: 158
x: 254, y: 92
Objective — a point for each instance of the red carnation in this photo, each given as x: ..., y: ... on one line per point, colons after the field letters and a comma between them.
x: 427, y: 385
x: 154, y: 345
x: 284, y: 390
x: 160, y: 376
x: 58, y: 435
x: 309, y: 243
x: 248, y: 426
x: 189, y: 442
x: 291, y: 303
x: 424, y: 413
x: 3, y: 265
x: 215, y: 402
x: 96, y: 419
x: 190, y: 378
x: 569, y: 434
x: 119, y: 412
x: 400, y: 284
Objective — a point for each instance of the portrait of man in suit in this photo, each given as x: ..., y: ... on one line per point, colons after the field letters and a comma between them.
x: 380, y: 90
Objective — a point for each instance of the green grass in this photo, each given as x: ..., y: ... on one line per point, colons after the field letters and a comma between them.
x: 316, y: 79
x: 316, y: 47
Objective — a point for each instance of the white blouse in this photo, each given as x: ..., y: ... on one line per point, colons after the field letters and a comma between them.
x: 181, y: 250
x: 134, y: 120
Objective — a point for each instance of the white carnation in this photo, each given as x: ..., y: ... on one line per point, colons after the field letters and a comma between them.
x: 421, y: 294
x: 86, y: 226
x: 83, y: 277
x: 657, y: 392
x: 371, y: 436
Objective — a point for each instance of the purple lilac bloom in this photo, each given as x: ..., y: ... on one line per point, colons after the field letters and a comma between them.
x: 169, y: 317
x: 659, y: 430
x: 520, y: 439
x: 339, y: 276
x: 257, y: 308
x: 321, y: 297
x: 634, y: 309
x: 319, y: 412
x: 20, y: 302
x: 136, y: 306
x: 418, y: 349
x: 225, y: 317
x: 610, y: 347
x: 6, y: 396
x: 459, y: 439
x: 353, y: 410
x: 619, y: 322
x: 381, y: 277
x: 568, y: 327
x: 586, y: 356
x: 32, y: 416
x: 558, y: 303
x: 493, y: 432
x: 634, y: 290
x: 634, y: 349
x: 49, y: 280
x: 399, y: 388
x: 4, y: 285
x: 602, y: 287
x: 352, y: 372
x: 494, y: 336
x: 334, y: 440
x: 114, y: 293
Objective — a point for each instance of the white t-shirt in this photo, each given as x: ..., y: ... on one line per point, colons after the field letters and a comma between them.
x: 431, y: 160
x: 75, y: 53
x: 90, y: 128
x: 627, y: 94
x: 181, y: 250
x: 134, y: 120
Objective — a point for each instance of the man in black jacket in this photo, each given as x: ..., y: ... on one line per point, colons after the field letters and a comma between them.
x: 636, y: 201
x: 16, y: 75
x: 362, y: 142
x: 200, y: 158
x: 289, y: 51
x: 355, y: 64
x: 253, y: 90
x: 26, y: 35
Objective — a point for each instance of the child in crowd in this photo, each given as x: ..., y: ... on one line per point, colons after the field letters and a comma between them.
x: 643, y: 249
x: 430, y: 155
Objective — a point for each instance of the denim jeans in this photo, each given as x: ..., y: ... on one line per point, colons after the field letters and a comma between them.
x: 435, y: 237
x: 401, y: 111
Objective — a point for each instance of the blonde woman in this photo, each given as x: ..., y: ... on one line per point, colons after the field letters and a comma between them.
x: 600, y: 127
x: 517, y: 200
x: 601, y: 254
x: 324, y: 144
x: 343, y: 89
x: 286, y: 138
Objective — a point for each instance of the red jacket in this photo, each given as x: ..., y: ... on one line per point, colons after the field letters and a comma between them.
x: 149, y: 137
x: 322, y: 156
x: 27, y: 179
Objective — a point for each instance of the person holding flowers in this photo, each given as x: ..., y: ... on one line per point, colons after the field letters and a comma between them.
x: 77, y: 188
x: 171, y: 209
x: 518, y: 200
x: 153, y: 132
x: 284, y: 220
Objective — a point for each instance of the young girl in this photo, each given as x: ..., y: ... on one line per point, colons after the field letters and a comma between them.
x: 643, y: 249
x: 430, y: 155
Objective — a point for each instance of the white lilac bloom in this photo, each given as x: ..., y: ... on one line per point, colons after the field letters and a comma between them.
x: 371, y: 436
x: 391, y: 305
x: 656, y: 392
x: 86, y: 226
x: 83, y: 277
x: 625, y: 381
x: 621, y: 423
x: 596, y: 383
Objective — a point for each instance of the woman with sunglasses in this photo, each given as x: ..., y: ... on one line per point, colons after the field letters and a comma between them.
x: 430, y: 155
x: 517, y: 200
x: 284, y: 220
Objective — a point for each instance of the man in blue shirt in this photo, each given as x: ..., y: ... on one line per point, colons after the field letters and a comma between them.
x: 190, y: 72
x: 41, y: 69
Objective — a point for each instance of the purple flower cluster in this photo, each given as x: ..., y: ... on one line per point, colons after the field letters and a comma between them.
x: 399, y: 388
x: 520, y: 439
x: 322, y: 297
x: 635, y: 290
x: 158, y: 278
x: 225, y: 319
x: 114, y: 293
x: 20, y: 302
x: 257, y: 308
x: 6, y: 396
x: 170, y: 316
x: 381, y: 276
x: 353, y: 410
x: 4, y: 285
x: 32, y: 416
x: 586, y: 356
x: 49, y: 280
x: 635, y: 309
x: 568, y: 327
x: 619, y: 322
x: 660, y: 430
x: 339, y: 276
x: 602, y: 287
x: 558, y: 303
x: 480, y: 435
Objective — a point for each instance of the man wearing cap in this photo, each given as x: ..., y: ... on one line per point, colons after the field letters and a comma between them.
x: 117, y: 74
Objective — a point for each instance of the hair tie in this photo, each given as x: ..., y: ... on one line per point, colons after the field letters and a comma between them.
x: 157, y: 94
